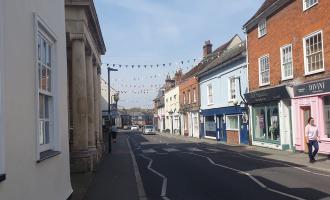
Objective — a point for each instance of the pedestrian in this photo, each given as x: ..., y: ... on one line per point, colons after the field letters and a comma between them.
x: 312, y: 139
x: 114, y: 133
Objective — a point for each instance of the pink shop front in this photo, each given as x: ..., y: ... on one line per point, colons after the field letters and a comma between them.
x: 312, y: 100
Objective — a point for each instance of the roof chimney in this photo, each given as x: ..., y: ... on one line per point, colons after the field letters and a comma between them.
x: 207, y: 48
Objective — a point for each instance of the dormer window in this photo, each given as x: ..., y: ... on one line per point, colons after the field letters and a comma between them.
x: 309, y: 3
x: 262, y: 28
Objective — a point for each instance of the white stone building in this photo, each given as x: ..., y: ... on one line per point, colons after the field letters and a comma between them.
x: 172, y: 107
x: 34, y: 146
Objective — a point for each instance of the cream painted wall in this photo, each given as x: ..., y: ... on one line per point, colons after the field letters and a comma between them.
x: 27, y: 179
x: 104, y: 94
x: 172, y: 105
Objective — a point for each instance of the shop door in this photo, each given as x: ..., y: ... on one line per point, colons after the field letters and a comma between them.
x: 307, y: 114
x: 244, y: 133
x: 222, y: 129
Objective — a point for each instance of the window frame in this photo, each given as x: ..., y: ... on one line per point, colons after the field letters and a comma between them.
x: 305, y: 6
x: 305, y: 53
x: 230, y: 99
x: 227, y: 124
x: 194, y: 97
x: 2, y: 65
x: 42, y: 28
x: 209, y: 94
x: 262, y: 21
x: 282, y: 62
x: 260, y: 77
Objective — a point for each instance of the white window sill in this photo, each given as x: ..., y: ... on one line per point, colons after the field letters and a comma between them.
x: 261, y: 36
x: 265, y: 84
x: 210, y: 104
x: 287, y: 78
x: 314, y: 72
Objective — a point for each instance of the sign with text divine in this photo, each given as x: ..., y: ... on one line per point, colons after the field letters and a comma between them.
x: 316, y: 87
x: 267, y: 95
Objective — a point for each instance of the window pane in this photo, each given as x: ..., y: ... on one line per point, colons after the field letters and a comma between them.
x: 49, y: 80
x: 41, y: 132
x: 39, y: 47
x: 259, y: 123
x: 41, y: 106
x: 47, y: 134
x: 43, y: 78
x: 46, y: 104
x: 40, y: 75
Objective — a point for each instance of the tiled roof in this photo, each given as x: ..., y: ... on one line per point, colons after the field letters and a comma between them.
x: 263, y: 7
x: 207, y: 60
x: 226, y: 56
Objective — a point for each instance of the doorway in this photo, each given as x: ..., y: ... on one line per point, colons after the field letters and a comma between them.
x: 306, y: 111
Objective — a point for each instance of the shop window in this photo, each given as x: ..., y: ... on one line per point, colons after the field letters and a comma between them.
x: 266, y: 125
x: 210, y: 126
x: 232, y: 122
x: 326, y: 101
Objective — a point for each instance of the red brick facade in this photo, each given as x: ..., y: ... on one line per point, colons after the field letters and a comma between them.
x: 189, y: 86
x: 289, y: 26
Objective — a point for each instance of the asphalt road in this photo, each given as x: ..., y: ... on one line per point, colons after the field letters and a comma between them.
x: 177, y: 170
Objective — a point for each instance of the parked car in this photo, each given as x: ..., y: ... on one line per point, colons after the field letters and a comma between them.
x: 149, y: 130
x: 135, y: 128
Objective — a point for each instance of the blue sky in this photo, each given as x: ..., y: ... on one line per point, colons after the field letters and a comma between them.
x: 150, y: 32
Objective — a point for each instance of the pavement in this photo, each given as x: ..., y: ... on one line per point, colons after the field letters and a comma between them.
x: 170, y: 167
x: 298, y: 158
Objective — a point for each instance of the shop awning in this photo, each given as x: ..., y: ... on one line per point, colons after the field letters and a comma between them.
x: 223, y: 111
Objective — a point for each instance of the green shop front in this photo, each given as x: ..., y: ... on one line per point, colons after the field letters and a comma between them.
x: 270, y: 117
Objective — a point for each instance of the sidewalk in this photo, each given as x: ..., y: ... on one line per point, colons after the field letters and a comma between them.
x: 298, y: 158
x: 114, y: 179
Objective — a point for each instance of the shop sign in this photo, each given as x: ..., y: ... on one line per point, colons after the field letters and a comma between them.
x: 268, y: 95
x: 312, y: 88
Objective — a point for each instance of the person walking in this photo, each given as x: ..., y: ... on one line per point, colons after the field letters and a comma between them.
x: 312, y: 139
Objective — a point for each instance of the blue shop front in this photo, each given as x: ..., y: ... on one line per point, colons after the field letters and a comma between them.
x: 226, y: 124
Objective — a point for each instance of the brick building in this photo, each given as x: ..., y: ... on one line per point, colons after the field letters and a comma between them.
x: 288, y: 44
x: 189, y: 103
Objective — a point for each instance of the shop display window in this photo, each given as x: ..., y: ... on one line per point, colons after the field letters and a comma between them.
x: 210, y: 126
x: 266, y: 125
x: 326, y: 101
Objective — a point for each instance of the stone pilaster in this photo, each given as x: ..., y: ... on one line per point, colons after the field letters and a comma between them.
x: 91, y: 115
x: 80, y: 158
x: 99, y: 144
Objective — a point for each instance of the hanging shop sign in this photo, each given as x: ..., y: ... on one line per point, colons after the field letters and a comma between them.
x: 312, y: 88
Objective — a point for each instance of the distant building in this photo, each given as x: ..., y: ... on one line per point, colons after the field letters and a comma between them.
x: 159, y: 110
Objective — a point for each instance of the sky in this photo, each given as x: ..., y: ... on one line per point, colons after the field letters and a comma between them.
x: 158, y: 32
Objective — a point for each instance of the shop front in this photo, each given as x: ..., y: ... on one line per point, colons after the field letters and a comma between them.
x: 270, y: 118
x: 226, y: 124
x: 312, y: 100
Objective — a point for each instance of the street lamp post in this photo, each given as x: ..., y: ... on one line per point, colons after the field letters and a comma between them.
x: 109, y: 114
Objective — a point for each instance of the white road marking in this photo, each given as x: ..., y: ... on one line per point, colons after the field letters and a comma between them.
x: 285, y: 164
x: 148, y: 151
x: 194, y: 149
x: 214, y: 150
x: 164, y: 185
x: 170, y: 149
x: 248, y: 175
x: 140, y: 187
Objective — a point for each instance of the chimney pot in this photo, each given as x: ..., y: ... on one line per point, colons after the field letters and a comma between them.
x: 207, y: 48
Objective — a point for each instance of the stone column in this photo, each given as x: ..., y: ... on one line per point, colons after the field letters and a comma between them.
x: 100, y: 108
x: 80, y: 155
x: 91, y: 112
x: 97, y: 113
